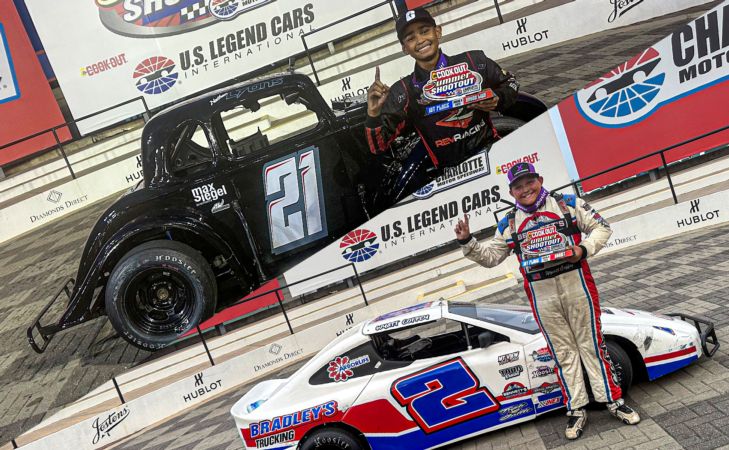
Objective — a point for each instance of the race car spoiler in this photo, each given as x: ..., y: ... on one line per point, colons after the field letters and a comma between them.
x: 708, y: 335
x: 47, y: 332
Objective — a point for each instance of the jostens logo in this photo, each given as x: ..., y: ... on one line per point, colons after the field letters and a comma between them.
x: 627, y: 94
x: 359, y: 245
x: 340, y: 369
x: 155, y: 75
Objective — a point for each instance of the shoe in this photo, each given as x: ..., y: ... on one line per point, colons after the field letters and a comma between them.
x: 623, y: 412
x: 576, y: 423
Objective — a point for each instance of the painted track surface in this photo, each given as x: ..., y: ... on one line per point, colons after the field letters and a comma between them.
x: 33, y: 266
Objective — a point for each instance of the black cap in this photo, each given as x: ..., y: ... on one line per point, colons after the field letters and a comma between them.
x: 520, y: 170
x: 412, y: 16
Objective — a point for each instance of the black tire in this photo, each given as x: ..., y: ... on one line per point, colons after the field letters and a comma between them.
x: 158, y: 292
x: 505, y: 124
x: 623, y: 368
x: 331, y: 439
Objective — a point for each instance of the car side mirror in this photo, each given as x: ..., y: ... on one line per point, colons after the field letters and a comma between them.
x: 486, y: 338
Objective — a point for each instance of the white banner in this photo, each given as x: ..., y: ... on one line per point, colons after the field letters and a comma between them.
x: 109, y: 51
x: 426, y: 220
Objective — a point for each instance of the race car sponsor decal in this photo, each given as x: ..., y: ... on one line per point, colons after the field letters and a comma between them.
x: 443, y: 395
x: 359, y: 245
x: 549, y: 402
x: 341, y: 368
x: 286, y: 421
x: 514, y: 389
x: 546, y: 388
x: 403, y: 311
x: 508, y: 358
x: 220, y: 206
x: 207, y: 193
x: 294, y: 197
x: 542, y: 371
x: 279, y: 438
x: 511, y: 372
x: 514, y: 410
x: 542, y: 355
x: 472, y: 168
x: 402, y: 322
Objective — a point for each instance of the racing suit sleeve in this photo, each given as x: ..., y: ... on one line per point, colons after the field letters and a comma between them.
x: 503, y: 83
x: 382, y: 130
x: 490, y: 253
x: 592, y: 224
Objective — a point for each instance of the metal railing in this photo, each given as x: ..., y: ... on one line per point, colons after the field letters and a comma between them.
x: 67, y: 125
x: 664, y: 164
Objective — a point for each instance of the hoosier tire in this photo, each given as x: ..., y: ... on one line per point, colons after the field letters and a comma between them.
x: 158, y: 292
x: 331, y: 439
x: 505, y: 125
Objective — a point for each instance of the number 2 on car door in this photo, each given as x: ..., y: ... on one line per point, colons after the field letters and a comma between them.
x: 294, y: 200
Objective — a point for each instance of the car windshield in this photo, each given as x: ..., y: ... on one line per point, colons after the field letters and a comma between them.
x: 509, y: 316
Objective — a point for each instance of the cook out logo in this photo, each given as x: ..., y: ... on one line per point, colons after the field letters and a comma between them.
x: 626, y: 95
x: 155, y: 75
x: 359, y: 245
x: 340, y: 369
x: 452, y: 81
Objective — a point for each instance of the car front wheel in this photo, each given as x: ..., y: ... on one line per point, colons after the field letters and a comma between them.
x: 158, y: 292
x: 331, y: 439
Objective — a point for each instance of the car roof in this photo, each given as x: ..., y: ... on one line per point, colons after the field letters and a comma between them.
x: 403, y: 318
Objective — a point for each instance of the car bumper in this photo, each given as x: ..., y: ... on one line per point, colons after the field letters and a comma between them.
x: 709, y: 341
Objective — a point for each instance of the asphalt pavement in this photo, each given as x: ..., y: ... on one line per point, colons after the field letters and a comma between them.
x: 687, y: 408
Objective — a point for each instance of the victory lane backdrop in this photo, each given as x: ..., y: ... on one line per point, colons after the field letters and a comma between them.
x: 110, y: 51
x: 426, y: 219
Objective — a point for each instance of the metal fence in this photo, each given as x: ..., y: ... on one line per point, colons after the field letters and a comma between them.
x: 72, y: 123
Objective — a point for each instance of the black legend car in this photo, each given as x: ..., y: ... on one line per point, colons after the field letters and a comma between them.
x: 224, y: 207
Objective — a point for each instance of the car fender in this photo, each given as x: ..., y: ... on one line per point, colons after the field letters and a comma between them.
x: 135, y: 233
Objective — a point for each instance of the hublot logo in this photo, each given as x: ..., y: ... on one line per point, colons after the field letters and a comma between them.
x: 698, y: 216
x: 521, y: 25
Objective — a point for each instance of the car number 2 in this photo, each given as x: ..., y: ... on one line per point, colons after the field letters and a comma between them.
x: 294, y: 200
x: 443, y: 395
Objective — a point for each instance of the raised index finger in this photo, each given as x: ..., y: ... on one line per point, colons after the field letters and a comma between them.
x: 377, y: 73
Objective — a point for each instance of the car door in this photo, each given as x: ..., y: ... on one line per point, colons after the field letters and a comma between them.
x: 448, y: 391
x: 546, y: 390
x: 294, y: 191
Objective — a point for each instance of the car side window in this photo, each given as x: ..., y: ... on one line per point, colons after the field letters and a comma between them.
x: 189, y: 149
x: 360, y: 361
x: 439, y: 338
x: 252, y: 126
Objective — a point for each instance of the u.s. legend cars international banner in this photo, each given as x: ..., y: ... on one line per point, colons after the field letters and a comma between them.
x: 426, y: 219
x: 105, y: 52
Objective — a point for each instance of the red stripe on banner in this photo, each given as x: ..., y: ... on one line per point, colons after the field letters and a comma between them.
x: 665, y: 356
x: 244, y: 308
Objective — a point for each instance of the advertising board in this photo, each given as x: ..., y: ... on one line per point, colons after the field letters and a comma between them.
x: 667, y: 94
x: 167, y: 50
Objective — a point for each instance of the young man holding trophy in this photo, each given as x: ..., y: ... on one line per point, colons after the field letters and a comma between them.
x: 545, y: 232
x: 447, y: 99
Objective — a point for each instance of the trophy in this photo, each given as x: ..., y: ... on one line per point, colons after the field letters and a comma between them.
x: 544, y: 246
x: 453, y: 87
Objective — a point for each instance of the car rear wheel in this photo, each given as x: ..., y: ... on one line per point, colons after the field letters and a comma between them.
x: 158, y: 292
x: 331, y: 439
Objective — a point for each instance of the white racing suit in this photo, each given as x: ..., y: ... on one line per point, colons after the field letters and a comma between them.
x: 563, y: 297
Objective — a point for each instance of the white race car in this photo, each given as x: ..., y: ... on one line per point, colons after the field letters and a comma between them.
x: 440, y: 372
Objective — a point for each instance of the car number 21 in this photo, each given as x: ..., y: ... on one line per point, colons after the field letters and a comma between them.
x: 294, y: 200
x: 443, y: 395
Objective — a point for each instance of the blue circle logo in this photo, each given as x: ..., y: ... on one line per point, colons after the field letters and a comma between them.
x: 155, y: 75
x: 223, y: 9
x: 359, y: 245
x: 627, y: 94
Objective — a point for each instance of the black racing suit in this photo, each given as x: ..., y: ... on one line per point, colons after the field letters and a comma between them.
x: 448, y: 136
